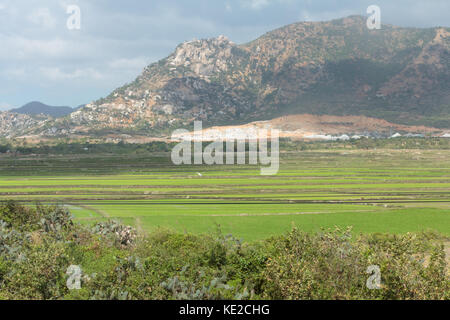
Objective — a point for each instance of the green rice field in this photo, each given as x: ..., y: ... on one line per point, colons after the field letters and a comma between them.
x: 373, y: 191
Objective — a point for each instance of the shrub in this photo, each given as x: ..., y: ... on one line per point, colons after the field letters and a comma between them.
x: 19, y: 217
x: 332, y: 265
x: 121, y: 236
x: 40, y: 275
x: 39, y: 245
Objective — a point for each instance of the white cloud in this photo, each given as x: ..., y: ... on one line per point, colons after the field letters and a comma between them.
x: 20, y: 48
x: 56, y: 74
x: 325, y: 15
x: 256, y: 4
x: 133, y: 63
x: 17, y: 72
x: 51, y: 48
x: 5, y: 106
x: 43, y: 18
x: 260, y: 4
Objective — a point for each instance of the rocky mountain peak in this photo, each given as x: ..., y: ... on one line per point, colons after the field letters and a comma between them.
x: 203, y: 57
x: 12, y: 123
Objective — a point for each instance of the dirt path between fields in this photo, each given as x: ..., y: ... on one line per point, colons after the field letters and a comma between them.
x: 138, y: 224
x: 104, y: 214
x: 268, y: 214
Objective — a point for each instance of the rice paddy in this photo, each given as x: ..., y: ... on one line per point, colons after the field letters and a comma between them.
x: 395, y: 191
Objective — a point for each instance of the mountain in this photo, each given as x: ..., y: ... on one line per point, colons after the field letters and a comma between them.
x: 35, y: 108
x: 338, y: 67
x: 16, y: 124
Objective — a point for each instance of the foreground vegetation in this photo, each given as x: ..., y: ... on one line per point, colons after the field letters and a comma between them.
x: 39, y: 244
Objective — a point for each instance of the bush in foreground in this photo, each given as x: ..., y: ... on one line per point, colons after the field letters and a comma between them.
x: 44, y: 255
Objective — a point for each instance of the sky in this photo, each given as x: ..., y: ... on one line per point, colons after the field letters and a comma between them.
x: 42, y: 59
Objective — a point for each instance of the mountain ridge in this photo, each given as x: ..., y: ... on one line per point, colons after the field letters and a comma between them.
x: 336, y: 67
x: 36, y: 108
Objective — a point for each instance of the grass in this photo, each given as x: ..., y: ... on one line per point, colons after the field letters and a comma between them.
x: 395, y: 191
x: 255, y: 227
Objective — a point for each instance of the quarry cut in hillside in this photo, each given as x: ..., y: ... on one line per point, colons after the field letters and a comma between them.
x: 308, y: 126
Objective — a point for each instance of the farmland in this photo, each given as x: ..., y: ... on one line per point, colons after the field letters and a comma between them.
x: 373, y: 191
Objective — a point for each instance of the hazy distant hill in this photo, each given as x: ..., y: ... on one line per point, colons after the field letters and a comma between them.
x: 35, y: 108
